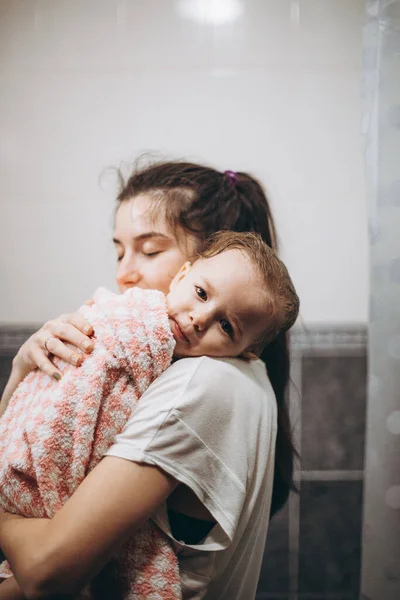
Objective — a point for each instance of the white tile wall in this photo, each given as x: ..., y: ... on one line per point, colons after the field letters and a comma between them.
x: 86, y: 84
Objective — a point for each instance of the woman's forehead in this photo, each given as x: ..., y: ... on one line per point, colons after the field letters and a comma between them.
x: 140, y: 215
x: 144, y: 217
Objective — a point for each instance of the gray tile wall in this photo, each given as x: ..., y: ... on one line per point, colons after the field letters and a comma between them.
x: 333, y: 412
x: 313, y: 550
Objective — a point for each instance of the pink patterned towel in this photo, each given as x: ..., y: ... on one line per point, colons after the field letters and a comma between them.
x: 54, y: 433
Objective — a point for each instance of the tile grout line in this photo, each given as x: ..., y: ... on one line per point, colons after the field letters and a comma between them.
x: 294, y: 499
x: 339, y: 475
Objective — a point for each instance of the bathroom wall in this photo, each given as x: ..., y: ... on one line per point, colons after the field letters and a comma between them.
x: 90, y: 84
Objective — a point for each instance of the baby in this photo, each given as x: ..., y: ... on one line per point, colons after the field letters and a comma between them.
x: 230, y: 302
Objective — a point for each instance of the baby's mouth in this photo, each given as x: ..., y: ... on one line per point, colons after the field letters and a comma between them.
x: 177, y: 331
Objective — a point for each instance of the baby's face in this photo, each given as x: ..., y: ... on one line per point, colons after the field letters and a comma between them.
x: 217, y: 306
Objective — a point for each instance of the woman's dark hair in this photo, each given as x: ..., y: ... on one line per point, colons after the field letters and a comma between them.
x: 202, y: 200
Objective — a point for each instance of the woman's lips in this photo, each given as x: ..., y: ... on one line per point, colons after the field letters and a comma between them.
x: 177, y: 332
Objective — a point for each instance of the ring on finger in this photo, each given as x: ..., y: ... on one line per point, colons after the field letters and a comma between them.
x: 46, y: 343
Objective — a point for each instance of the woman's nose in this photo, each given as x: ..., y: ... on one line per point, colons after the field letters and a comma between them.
x: 128, y: 274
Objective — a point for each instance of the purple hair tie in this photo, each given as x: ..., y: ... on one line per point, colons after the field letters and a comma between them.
x: 232, y: 176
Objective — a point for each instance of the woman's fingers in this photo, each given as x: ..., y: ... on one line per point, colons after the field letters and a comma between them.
x: 50, y: 340
x: 59, y: 331
x: 77, y: 320
x: 59, y: 349
x: 68, y: 328
x: 43, y: 363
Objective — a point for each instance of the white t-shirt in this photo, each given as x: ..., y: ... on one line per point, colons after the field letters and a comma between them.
x: 211, y: 424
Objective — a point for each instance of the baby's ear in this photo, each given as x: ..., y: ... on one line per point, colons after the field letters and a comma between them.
x: 185, y: 268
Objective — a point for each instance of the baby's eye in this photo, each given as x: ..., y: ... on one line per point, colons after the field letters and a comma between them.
x: 201, y: 293
x: 119, y: 258
x: 226, y: 327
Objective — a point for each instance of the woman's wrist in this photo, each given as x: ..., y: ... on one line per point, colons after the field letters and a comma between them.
x: 10, y: 590
x: 20, y: 368
x: 22, y: 541
x: 18, y: 372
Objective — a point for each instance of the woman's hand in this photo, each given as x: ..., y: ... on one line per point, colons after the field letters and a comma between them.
x: 50, y: 338
x: 34, y: 353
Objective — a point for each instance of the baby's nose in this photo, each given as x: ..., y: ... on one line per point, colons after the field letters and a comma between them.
x: 200, y: 320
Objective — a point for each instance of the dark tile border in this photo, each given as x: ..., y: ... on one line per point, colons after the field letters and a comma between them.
x: 313, y: 338
x: 331, y: 338
x: 13, y: 336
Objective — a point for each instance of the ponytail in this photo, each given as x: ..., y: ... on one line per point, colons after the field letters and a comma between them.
x: 277, y: 361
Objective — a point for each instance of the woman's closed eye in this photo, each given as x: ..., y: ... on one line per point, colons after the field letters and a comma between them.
x: 227, y: 328
x: 152, y: 247
x: 146, y: 254
x: 201, y: 293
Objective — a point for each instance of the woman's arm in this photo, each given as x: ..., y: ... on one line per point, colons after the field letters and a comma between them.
x: 61, y: 555
x: 10, y: 590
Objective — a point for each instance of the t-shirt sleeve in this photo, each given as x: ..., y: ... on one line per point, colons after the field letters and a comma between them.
x: 183, y: 424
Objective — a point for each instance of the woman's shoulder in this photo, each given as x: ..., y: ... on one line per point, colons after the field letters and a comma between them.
x: 213, y: 380
x: 204, y: 390
x: 219, y: 368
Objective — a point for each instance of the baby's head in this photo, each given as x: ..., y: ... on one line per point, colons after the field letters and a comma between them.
x: 233, y: 300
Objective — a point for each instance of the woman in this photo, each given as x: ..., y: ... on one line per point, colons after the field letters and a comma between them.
x: 199, y: 455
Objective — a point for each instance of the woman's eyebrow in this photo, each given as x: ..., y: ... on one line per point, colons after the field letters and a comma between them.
x: 145, y: 236
x: 148, y: 235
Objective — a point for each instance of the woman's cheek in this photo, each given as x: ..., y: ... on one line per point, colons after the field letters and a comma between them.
x: 159, y: 277
x: 171, y: 265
